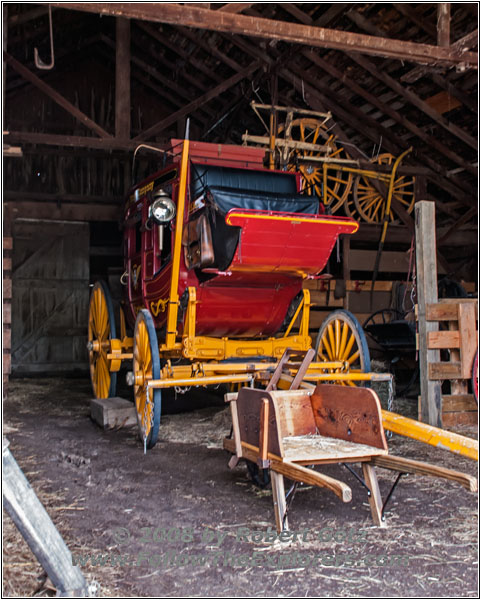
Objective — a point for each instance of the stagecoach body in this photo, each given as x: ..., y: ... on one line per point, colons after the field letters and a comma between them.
x: 249, y: 239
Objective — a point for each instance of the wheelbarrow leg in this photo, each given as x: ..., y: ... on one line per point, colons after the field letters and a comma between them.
x: 375, y: 500
x: 279, y: 497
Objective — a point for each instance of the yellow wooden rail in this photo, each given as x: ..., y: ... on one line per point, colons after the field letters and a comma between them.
x: 440, y: 438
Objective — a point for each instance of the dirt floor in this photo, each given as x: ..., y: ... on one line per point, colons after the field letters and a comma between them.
x: 176, y: 517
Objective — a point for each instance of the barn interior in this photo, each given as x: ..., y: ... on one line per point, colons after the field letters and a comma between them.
x: 93, y: 91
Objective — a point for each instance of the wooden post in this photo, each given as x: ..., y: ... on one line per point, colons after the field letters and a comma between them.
x: 33, y: 522
x: 427, y: 293
x: 444, y: 18
x: 346, y: 271
x: 7, y: 303
x: 122, y: 79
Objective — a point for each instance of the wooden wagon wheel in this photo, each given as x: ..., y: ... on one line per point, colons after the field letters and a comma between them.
x: 146, y: 366
x: 101, y: 329
x: 339, y: 183
x: 341, y: 338
x: 369, y: 203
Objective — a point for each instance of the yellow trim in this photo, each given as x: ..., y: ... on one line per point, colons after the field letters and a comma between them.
x: 173, y: 309
x: 428, y: 434
x: 295, y: 219
x: 157, y: 307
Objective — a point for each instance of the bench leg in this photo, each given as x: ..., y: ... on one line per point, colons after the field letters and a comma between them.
x: 279, y: 498
x: 375, y: 499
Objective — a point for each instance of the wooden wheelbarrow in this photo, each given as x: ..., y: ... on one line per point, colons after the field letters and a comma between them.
x: 286, y: 430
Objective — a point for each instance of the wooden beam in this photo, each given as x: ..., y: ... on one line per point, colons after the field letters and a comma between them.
x: 177, y: 48
x: 461, y: 221
x: 38, y: 530
x: 444, y: 24
x: 179, y: 91
x: 67, y: 211
x: 195, y: 104
x: 427, y: 293
x: 202, y: 18
x: 414, y: 99
x: 467, y: 42
x: 73, y: 141
x: 234, y: 7
x: 55, y: 96
x: 413, y: 15
x: 122, y: 79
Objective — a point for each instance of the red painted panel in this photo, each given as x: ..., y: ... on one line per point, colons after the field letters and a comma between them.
x: 290, y: 243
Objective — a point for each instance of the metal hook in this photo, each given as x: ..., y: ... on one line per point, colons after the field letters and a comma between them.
x: 38, y: 61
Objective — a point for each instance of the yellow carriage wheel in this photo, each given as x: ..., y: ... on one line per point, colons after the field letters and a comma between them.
x: 370, y: 203
x: 339, y: 183
x: 341, y: 338
x: 101, y: 329
x: 146, y: 366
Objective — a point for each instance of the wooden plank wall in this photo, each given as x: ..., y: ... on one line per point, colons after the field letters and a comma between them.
x: 50, y: 275
x: 7, y: 311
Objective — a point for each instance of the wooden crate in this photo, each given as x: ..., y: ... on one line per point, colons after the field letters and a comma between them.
x: 460, y: 337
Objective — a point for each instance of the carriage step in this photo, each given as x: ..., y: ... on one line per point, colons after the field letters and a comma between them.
x: 113, y: 412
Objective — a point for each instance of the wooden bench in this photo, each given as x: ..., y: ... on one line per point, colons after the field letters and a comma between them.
x: 286, y: 430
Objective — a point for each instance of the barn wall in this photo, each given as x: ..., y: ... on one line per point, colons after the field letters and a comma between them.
x: 50, y: 292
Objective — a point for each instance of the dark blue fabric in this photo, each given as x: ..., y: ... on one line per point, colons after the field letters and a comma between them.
x: 203, y: 176
x: 227, y: 198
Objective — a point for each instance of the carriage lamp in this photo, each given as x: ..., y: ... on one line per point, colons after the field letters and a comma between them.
x: 162, y: 209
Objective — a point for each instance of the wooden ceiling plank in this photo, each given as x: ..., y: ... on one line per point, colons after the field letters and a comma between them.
x: 202, y: 18
x: 164, y: 40
x: 414, y: 99
x: 197, y: 103
x: 455, y: 92
x: 55, y: 96
x: 461, y: 221
x: 411, y: 13
x: 154, y: 73
x: 210, y: 49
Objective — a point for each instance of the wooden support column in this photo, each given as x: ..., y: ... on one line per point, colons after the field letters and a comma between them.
x: 122, y: 79
x: 7, y: 302
x: 427, y: 293
x: 444, y: 22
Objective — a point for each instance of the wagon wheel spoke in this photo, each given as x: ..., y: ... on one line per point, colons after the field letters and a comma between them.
x: 146, y: 367
x: 342, y: 339
x: 366, y: 196
x: 338, y: 183
x: 101, y: 329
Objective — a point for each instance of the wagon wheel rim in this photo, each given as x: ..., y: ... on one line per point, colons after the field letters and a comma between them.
x: 101, y: 329
x: 341, y: 338
x: 146, y: 367
x: 370, y: 204
x: 339, y: 183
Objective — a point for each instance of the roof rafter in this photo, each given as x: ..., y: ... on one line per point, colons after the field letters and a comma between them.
x: 202, y: 18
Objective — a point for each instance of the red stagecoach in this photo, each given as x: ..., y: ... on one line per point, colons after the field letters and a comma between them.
x: 216, y: 249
